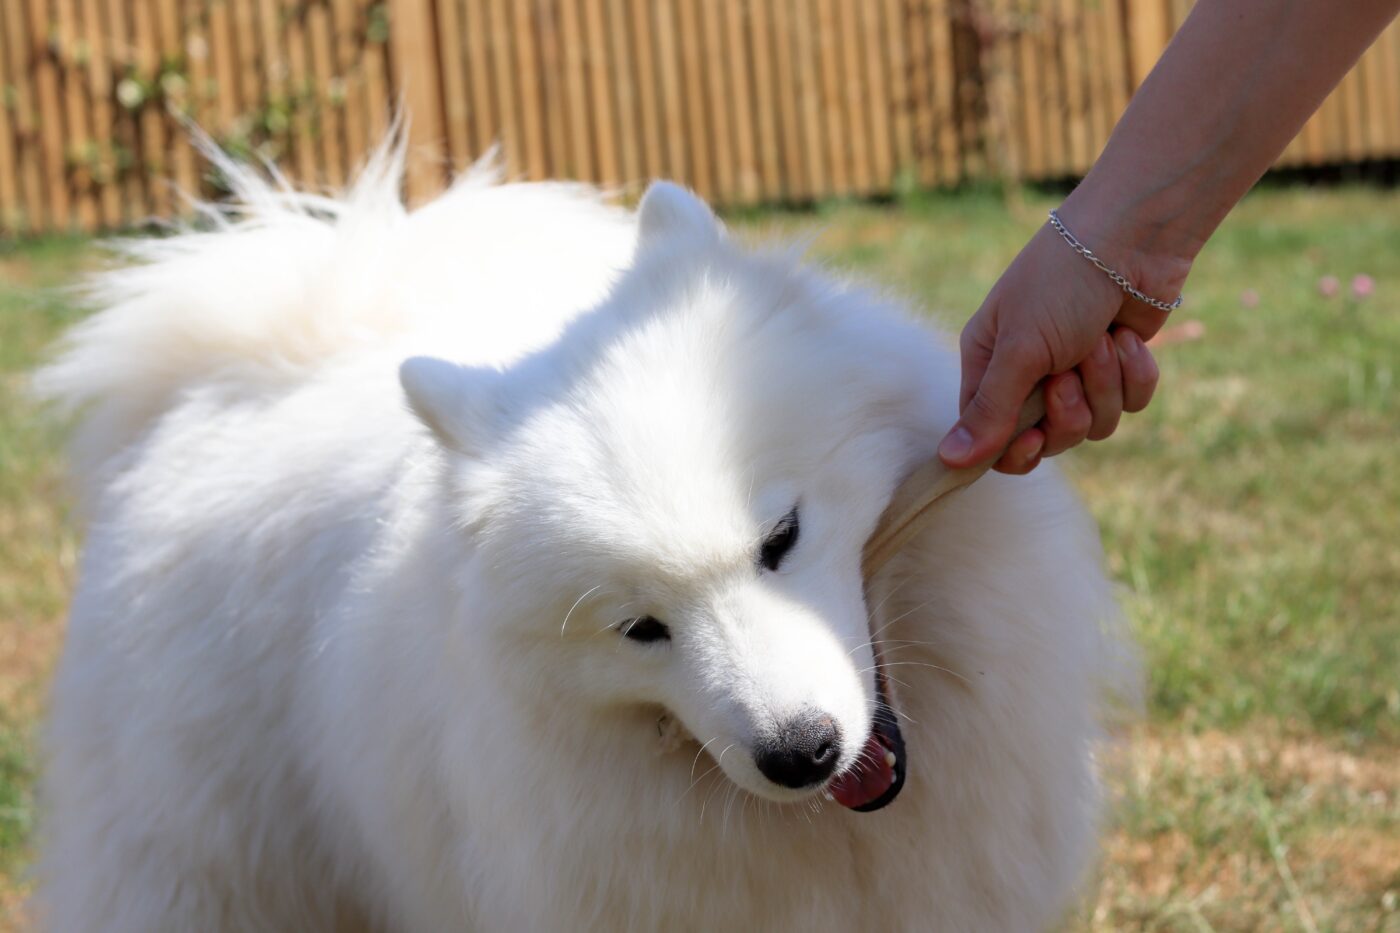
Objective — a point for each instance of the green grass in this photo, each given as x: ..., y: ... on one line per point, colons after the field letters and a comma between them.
x: 1251, y: 515
x: 36, y: 536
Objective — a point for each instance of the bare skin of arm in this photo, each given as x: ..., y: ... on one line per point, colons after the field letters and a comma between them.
x: 1237, y: 82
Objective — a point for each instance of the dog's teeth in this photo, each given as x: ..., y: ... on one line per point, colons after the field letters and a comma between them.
x: 890, y: 759
x: 827, y: 795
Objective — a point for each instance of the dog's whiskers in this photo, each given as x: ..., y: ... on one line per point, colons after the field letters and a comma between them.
x: 697, y: 756
x: 887, y: 597
x: 903, y: 615
x: 936, y: 667
x: 575, y: 606
x: 719, y: 762
x: 702, y: 777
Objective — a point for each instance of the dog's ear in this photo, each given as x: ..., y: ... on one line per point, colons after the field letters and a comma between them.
x: 460, y: 404
x: 668, y: 210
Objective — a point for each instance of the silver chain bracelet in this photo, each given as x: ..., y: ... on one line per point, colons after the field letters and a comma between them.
x: 1116, y: 276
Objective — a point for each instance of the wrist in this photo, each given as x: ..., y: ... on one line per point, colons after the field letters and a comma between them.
x: 1151, y: 237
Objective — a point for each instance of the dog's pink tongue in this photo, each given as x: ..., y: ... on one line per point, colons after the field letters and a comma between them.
x: 868, y: 779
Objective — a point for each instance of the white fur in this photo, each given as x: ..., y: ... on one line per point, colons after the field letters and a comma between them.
x: 330, y: 668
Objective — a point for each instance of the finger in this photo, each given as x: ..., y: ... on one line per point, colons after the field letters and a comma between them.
x: 1103, y: 387
x: 1067, y: 416
x: 989, y: 417
x: 975, y: 347
x: 1023, y: 454
x: 1140, y: 373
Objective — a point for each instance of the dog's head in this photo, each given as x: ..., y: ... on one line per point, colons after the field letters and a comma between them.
x: 670, y: 503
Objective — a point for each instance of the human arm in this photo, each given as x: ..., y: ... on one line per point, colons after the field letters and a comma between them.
x: 1235, y: 84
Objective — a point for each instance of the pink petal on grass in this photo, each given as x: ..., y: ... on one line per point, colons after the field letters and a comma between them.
x: 1249, y: 298
x: 1185, y: 332
x: 1328, y: 286
x: 1362, y: 286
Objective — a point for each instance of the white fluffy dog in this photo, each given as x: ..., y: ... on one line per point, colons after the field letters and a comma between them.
x: 496, y: 566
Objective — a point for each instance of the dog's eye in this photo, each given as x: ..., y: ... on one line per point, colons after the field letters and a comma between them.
x: 776, y: 545
x: 647, y: 628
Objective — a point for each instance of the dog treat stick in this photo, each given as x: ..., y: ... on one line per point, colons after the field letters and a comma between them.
x: 913, y: 501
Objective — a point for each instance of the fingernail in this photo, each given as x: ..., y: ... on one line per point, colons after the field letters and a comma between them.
x: 1130, y: 343
x: 956, y: 445
x: 1068, y: 393
x: 1034, y: 455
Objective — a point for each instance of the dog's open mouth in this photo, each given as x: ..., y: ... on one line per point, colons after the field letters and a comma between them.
x: 877, y: 775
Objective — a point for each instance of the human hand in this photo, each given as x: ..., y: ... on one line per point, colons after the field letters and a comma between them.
x: 1052, y: 314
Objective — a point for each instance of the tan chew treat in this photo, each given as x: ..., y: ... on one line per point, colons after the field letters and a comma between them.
x: 912, y: 504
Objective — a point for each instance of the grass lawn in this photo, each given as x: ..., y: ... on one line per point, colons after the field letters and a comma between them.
x: 1252, y: 516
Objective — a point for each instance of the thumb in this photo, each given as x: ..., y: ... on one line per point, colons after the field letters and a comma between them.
x: 989, y: 417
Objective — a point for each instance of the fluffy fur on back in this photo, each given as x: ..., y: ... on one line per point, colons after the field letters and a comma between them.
x: 373, y: 496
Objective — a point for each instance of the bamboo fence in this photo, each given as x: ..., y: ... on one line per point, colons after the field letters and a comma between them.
x: 747, y: 101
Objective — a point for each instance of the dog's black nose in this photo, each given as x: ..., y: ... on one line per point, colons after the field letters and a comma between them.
x: 802, y: 752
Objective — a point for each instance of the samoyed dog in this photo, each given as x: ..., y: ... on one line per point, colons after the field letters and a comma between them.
x: 495, y: 566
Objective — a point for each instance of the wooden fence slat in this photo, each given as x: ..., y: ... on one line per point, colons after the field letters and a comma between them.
x: 79, y: 151
x: 1058, y: 159
x: 1030, y: 92
x: 716, y: 96
x: 23, y: 116
x: 498, y: 86
x: 797, y: 183
x: 605, y: 136
x: 454, y: 84
x: 1388, y: 48
x: 809, y: 84
x: 1148, y: 32
x: 1119, y: 70
x: 556, y: 100
x: 901, y: 101
x: 50, y: 118
x: 1008, y: 110
x: 154, y: 166
x: 673, y: 100
x: 302, y: 93
x: 576, y: 88
x: 1373, y: 112
x: 877, y: 100
x: 698, y: 132
x: 508, y: 106
x: 533, y: 157
x: 742, y: 98
x: 856, y: 111
x: 833, y: 102
x: 192, y: 92
x: 352, y: 83
x: 180, y: 175
x: 641, y: 35
x: 944, y: 77
x: 12, y: 209
x: 765, y: 109
x: 329, y: 99
x: 66, y: 50
x: 624, y: 87
x: 243, y: 29
x: 99, y: 83
x: 1072, y: 70
x: 374, y: 64
x: 1096, y: 79
x: 225, y: 89
x: 416, y: 69
x: 486, y: 128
